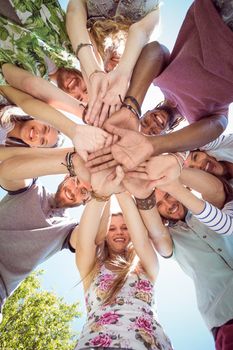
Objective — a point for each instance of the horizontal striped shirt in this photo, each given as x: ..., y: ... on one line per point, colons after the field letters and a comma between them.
x: 218, y: 220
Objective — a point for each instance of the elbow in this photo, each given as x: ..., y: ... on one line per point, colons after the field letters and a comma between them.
x: 219, y: 124
x: 140, y: 34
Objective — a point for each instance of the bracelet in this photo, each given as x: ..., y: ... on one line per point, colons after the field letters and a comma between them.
x: 80, y: 46
x: 178, y: 160
x: 99, y: 198
x: 96, y: 71
x: 146, y: 203
x: 69, y: 163
x: 184, y: 155
x: 131, y: 108
x: 135, y: 102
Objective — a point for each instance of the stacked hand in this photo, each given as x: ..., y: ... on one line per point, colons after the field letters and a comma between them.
x: 90, y: 139
x: 131, y: 150
x: 104, y: 99
x: 107, y: 182
x: 161, y: 169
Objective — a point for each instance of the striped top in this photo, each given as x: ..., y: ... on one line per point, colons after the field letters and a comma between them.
x: 217, y: 142
x: 218, y: 220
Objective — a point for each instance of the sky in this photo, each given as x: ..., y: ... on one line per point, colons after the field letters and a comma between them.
x: 176, y: 304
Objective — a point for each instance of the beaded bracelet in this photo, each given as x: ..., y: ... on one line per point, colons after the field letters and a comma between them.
x: 184, y: 155
x: 69, y: 163
x: 178, y: 160
x: 131, y: 108
x: 146, y: 203
x: 99, y: 198
x: 80, y: 46
x: 96, y: 71
x: 135, y: 102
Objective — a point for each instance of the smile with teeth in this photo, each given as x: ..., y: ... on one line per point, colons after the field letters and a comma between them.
x: 174, y: 209
x: 32, y: 134
x: 71, y: 83
x: 119, y: 239
x: 207, y: 166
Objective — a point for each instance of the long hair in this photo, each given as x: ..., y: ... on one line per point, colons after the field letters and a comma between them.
x: 110, y: 33
x: 11, y: 114
x: 122, y: 266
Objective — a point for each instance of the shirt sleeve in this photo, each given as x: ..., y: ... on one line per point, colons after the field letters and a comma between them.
x: 66, y: 243
x: 218, y: 220
x: 219, y: 142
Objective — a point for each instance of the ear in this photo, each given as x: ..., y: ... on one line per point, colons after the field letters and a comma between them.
x: 66, y: 177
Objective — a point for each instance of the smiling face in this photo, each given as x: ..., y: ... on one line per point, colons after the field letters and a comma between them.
x: 118, y: 237
x: 154, y: 122
x: 71, y: 193
x: 37, y: 134
x: 202, y: 161
x: 169, y: 207
x: 72, y: 82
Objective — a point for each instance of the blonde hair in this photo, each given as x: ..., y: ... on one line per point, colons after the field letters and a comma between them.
x: 110, y: 33
x: 122, y: 266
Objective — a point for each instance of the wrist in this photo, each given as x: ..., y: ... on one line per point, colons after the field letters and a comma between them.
x: 146, y: 203
x: 100, y: 198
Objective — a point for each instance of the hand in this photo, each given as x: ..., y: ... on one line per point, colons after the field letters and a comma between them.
x: 97, y: 88
x: 90, y: 139
x: 106, y: 100
x: 171, y: 187
x: 107, y: 182
x: 117, y: 85
x: 132, y: 149
x: 162, y: 169
x: 124, y: 119
x: 137, y: 187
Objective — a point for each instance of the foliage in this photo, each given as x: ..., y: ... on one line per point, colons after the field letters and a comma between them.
x: 34, y: 319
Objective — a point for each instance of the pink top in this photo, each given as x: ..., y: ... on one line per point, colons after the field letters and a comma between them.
x: 129, y: 323
x: 199, y: 77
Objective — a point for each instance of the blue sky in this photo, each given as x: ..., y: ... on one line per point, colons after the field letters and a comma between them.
x: 175, y: 294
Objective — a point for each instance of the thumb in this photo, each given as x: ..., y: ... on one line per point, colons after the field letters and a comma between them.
x: 119, y: 175
x: 104, y: 88
x: 83, y: 154
x: 115, y: 130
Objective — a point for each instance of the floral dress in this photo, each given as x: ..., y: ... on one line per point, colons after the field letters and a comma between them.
x: 41, y: 36
x: 128, y: 323
x: 130, y: 9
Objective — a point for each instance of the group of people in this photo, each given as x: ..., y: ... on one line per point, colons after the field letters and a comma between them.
x: 96, y: 62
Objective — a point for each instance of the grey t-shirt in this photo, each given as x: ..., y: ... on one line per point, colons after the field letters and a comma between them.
x: 30, y: 232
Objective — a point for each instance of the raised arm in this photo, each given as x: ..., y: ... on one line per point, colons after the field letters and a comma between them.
x: 150, y: 63
x: 138, y: 36
x: 190, y: 137
x: 86, y: 238
x: 139, y: 235
x: 212, y: 212
x: 41, y: 89
x: 31, y: 163
x: 144, y: 194
x: 84, y: 137
x: 76, y: 25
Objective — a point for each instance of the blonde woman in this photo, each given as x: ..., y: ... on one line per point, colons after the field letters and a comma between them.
x: 118, y: 279
x: 98, y: 32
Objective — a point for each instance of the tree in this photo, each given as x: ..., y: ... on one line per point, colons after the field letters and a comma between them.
x: 35, y: 319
